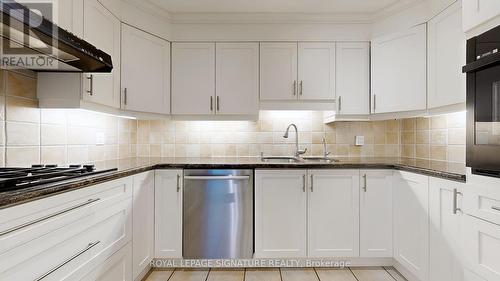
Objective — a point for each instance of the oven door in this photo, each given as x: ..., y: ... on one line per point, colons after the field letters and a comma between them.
x: 483, y: 120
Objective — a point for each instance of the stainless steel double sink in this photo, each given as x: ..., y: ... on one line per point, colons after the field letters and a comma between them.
x: 292, y: 159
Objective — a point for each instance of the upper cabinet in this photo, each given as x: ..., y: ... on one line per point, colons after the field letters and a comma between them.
x: 297, y: 71
x: 102, y: 29
x: 204, y: 85
x: 399, y: 71
x: 145, y: 71
x: 446, y: 56
x: 352, y: 78
x: 477, y: 12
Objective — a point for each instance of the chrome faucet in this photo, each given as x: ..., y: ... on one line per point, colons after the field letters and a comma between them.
x: 298, y: 151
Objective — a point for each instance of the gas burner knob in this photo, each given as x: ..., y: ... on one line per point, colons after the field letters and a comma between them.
x: 51, y: 166
x: 37, y: 166
x: 89, y: 168
x: 75, y: 166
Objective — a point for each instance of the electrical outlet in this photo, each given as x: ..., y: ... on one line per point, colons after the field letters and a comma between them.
x: 360, y: 140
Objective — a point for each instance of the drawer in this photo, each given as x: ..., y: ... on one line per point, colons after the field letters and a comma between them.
x: 59, y: 254
x: 26, y: 222
x: 482, y: 201
x: 481, y: 242
x: 116, y: 267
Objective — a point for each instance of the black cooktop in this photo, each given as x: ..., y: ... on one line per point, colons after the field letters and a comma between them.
x: 18, y: 178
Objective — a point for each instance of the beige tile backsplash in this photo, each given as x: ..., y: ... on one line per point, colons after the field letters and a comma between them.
x: 29, y: 135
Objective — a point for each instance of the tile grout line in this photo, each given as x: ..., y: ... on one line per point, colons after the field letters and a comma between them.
x: 172, y: 274
x: 281, y: 276
x: 208, y: 274
x: 316, y: 272
x: 355, y: 277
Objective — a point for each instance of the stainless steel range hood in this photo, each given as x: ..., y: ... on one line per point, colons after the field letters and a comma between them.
x: 30, y: 41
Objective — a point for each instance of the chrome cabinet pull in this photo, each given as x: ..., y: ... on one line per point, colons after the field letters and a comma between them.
x: 455, y: 201
x: 216, y: 177
x: 294, y: 87
x: 495, y: 208
x: 300, y: 87
x: 340, y: 103
x: 211, y: 103
x: 312, y: 183
x: 217, y: 103
x: 125, y: 96
x: 364, y: 183
x: 10, y: 230
x: 374, y: 102
x: 89, y: 246
x: 91, y: 84
x: 304, y: 183
x: 178, y: 182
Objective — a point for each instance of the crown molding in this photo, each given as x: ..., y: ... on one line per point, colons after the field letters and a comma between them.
x: 153, y: 9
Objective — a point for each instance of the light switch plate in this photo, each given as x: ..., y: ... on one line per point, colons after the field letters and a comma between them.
x: 360, y: 140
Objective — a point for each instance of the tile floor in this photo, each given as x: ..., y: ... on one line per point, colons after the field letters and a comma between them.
x: 279, y: 274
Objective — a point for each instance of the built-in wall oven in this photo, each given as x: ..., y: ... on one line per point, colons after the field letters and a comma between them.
x: 483, y: 103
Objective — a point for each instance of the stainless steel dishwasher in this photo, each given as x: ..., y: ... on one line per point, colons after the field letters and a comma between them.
x: 218, y: 214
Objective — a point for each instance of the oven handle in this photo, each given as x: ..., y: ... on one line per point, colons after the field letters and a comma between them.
x: 21, y: 226
x: 480, y: 64
x: 229, y: 177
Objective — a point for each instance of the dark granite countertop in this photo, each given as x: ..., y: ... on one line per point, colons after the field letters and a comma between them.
x: 131, y: 166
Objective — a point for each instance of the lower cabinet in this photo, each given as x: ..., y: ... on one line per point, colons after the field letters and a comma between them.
x: 411, y: 224
x: 143, y: 222
x: 376, y: 213
x: 280, y: 213
x: 445, y: 228
x: 168, y: 213
x: 116, y: 268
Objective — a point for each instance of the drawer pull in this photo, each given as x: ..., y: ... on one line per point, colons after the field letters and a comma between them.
x: 455, y: 201
x: 16, y: 228
x: 89, y: 246
x: 496, y: 208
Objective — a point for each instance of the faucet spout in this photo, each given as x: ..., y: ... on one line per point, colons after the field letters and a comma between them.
x: 298, y: 151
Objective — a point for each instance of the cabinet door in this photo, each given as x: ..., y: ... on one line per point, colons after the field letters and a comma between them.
x: 411, y: 223
x: 316, y: 72
x: 280, y: 213
x: 145, y: 71
x: 445, y: 255
x: 376, y: 214
x: 446, y: 47
x: 476, y: 12
x: 237, y: 78
x: 143, y: 222
x: 116, y: 268
x: 333, y: 213
x: 278, y: 71
x: 399, y: 71
x: 70, y: 16
x: 352, y: 78
x: 168, y: 213
x: 102, y: 29
x: 193, y: 78
x: 481, y: 240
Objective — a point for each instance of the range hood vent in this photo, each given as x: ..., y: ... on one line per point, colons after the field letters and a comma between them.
x: 30, y: 41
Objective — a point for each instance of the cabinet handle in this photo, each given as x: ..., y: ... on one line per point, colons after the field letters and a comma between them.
x: 364, y: 183
x: 89, y: 246
x: 340, y: 103
x: 496, y: 208
x: 211, y: 103
x: 217, y: 103
x: 125, y: 96
x: 294, y: 93
x: 374, y: 103
x: 312, y: 183
x: 178, y: 182
x: 304, y: 183
x: 91, y: 84
x: 48, y: 216
x: 455, y: 201
x: 300, y: 87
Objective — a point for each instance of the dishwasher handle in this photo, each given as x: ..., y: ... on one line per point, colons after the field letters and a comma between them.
x: 217, y: 177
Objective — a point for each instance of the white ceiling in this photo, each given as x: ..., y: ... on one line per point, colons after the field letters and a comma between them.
x: 274, y: 6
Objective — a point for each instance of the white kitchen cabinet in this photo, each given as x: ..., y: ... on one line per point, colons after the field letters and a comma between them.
x: 70, y: 16
x: 280, y: 213
x: 316, y: 71
x: 145, y: 71
x: 118, y: 267
x: 86, y: 90
x: 376, y: 213
x: 333, y: 217
x: 477, y: 12
x: 278, y: 71
x: 237, y: 78
x: 168, y: 214
x: 193, y: 78
x: 445, y: 228
x: 352, y: 78
x: 411, y: 223
x: 446, y: 56
x: 143, y: 222
x: 398, y: 73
